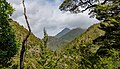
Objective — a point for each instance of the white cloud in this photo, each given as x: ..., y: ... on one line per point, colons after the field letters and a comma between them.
x: 46, y: 13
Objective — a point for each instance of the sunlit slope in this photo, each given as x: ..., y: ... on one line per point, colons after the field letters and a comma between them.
x: 32, y: 47
x: 87, y: 37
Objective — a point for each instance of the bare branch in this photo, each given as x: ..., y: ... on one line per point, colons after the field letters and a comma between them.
x: 89, y: 7
x: 24, y: 41
x: 90, y: 2
x: 104, y: 2
x: 83, y: 2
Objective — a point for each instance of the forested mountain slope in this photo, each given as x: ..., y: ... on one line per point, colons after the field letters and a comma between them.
x: 32, y: 47
x: 78, y: 53
x: 87, y: 37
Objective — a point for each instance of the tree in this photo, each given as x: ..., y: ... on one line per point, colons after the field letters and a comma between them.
x: 47, y: 59
x: 8, y: 47
x: 22, y: 52
x: 96, y: 7
x: 109, y: 43
x: 75, y: 5
x: 45, y: 39
x: 108, y: 12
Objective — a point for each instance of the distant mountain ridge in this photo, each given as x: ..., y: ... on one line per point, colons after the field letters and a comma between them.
x: 63, y: 32
x: 72, y: 34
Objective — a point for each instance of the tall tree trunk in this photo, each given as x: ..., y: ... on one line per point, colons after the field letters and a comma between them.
x: 24, y: 41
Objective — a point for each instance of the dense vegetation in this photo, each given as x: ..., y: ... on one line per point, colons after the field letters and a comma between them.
x: 8, y: 45
x: 32, y: 47
x: 108, y: 12
x: 96, y: 48
x: 37, y: 56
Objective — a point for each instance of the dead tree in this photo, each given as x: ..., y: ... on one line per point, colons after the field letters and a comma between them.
x: 24, y: 41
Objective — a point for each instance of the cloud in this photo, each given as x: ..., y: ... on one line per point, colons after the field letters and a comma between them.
x: 46, y: 13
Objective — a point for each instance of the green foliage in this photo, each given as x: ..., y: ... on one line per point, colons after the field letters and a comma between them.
x: 5, y: 9
x: 107, y: 47
x: 101, y: 9
x: 108, y: 62
x: 45, y: 39
x: 47, y: 58
x: 8, y: 46
x: 109, y: 43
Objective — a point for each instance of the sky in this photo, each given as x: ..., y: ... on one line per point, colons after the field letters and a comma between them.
x: 46, y: 13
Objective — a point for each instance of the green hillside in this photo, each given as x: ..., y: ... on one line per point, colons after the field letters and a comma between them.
x: 79, y: 53
x: 32, y: 47
x: 72, y: 34
x: 87, y: 37
x: 75, y: 54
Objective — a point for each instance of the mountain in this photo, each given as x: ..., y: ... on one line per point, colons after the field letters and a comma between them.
x: 63, y: 32
x: 72, y: 34
x: 66, y: 35
x: 54, y: 42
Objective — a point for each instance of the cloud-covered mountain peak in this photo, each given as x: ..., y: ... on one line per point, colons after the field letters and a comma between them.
x: 63, y: 32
